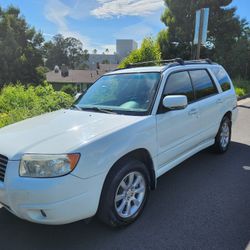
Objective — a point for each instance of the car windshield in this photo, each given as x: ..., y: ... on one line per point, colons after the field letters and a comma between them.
x: 130, y: 94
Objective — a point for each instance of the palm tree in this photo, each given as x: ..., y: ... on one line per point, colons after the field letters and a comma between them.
x: 86, y: 55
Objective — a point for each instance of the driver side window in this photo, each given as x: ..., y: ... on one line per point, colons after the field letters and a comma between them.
x: 179, y: 84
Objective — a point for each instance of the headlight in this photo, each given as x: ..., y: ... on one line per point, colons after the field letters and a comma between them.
x: 45, y: 166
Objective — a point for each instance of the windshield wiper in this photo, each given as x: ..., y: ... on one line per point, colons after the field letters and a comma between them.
x: 97, y: 109
x: 75, y: 107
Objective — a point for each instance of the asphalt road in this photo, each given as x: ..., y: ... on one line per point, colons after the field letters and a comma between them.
x: 202, y: 204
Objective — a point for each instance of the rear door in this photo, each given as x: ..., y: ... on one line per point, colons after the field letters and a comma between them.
x: 209, y: 102
x: 177, y: 130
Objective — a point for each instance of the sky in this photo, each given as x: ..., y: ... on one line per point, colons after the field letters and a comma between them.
x: 98, y: 23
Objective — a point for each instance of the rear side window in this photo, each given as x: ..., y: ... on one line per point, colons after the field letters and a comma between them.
x: 222, y: 78
x: 202, y: 83
x: 179, y: 84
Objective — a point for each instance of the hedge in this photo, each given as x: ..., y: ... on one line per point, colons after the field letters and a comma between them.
x: 18, y: 102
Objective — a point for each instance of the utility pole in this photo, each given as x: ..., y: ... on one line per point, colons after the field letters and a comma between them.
x: 200, y: 35
x: 201, y: 26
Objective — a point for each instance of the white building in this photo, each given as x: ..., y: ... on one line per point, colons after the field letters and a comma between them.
x: 123, y: 48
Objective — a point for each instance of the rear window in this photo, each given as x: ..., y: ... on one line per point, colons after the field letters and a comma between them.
x: 203, y: 84
x: 222, y: 78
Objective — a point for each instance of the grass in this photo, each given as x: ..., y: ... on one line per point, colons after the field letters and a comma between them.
x: 242, y: 87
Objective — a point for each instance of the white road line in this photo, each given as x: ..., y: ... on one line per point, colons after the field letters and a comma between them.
x: 248, y: 246
x: 246, y: 168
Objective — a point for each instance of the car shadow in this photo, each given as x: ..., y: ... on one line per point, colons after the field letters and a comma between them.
x: 195, y: 204
x: 244, y: 106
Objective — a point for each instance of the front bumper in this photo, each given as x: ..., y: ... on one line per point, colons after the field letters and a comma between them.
x: 52, y: 200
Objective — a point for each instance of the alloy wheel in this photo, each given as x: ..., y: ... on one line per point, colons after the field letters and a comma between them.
x: 130, y: 194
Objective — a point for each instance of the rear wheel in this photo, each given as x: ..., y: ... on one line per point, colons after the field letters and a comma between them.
x: 124, y: 194
x: 223, y: 138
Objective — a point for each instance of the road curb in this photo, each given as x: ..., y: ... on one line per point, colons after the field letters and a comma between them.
x: 243, y: 97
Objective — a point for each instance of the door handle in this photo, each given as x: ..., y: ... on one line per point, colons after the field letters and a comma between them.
x: 219, y: 101
x: 193, y: 112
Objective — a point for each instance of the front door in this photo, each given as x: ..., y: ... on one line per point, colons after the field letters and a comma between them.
x: 177, y: 130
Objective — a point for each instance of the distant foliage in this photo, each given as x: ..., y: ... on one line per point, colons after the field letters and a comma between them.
x: 149, y: 51
x: 69, y: 89
x: 106, y: 61
x: 240, y: 91
x: 228, y: 35
x: 66, y: 51
x: 242, y: 87
x: 20, y: 49
x: 18, y: 103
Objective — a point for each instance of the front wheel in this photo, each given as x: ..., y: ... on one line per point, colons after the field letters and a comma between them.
x: 223, y: 138
x: 124, y: 194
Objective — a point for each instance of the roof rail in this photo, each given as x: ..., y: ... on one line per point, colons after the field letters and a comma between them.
x: 191, y: 62
x: 177, y: 60
x: 168, y: 63
x: 206, y: 61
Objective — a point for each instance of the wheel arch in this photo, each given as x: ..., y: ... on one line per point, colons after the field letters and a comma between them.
x: 229, y: 115
x: 142, y: 155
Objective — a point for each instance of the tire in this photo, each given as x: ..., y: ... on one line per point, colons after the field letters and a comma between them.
x: 223, y: 137
x: 121, y: 188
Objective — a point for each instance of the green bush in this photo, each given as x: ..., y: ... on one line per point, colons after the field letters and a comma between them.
x: 18, y: 103
x: 69, y: 89
x: 240, y: 91
x: 242, y: 87
x: 149, y: 51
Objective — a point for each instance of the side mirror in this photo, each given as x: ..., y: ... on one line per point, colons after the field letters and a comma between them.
x: 175, y: 102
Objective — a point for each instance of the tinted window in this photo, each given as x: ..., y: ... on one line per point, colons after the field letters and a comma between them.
x: 222, y: 78
x: 179, y: 84
x: 202, y: 83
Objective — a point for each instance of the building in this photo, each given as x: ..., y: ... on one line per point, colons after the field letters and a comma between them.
x: 98, y: 64
x: 79, y: 79
x: 95, y: 59
x: 125, y: 46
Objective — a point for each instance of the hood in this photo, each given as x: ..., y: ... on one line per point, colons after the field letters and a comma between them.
x: 63, y: 131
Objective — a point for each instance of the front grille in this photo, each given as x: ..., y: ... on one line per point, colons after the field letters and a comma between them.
x: 3, y: 165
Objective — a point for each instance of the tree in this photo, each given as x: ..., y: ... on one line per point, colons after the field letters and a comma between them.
x: 238, y: 61
x: 224, y: 29
x: 179, y: 17
x: 173, y: 49
x: 106, y: 61
x: 95, y: 51
x: 41, y: 73
x: 85, y: 55
x: 149, y: 51
x: 83, y: 66
x: 56, y: 52
x: 74, y: 51
x: 62, y: 50
x: 20, y: 48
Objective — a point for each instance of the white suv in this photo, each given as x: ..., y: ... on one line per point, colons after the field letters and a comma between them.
x: 104, y: 155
